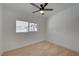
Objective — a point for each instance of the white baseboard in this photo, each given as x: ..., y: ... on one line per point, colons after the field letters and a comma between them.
x: 60, y: 44
x: 29, y: 43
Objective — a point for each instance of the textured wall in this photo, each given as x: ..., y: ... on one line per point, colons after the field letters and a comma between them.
x: 13, y: 40
x: 63, y: 28
x: 0, y: 27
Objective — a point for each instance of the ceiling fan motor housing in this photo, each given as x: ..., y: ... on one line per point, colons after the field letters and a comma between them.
x: 42, y: 7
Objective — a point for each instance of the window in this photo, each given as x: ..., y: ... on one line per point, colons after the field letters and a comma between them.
x: 32, y: 27
x: 22, y: 26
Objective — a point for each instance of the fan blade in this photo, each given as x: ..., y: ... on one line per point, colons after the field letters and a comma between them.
x: 48, y: 9
x: 45, y: 4
x: 35, y: 5
x: 35, y: 11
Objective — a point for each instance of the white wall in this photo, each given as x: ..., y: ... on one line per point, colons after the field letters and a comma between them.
x: 13, y: 40
x: 63, y: 28
x: 0, y: 29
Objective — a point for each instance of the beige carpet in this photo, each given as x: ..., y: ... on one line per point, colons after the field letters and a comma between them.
x: 43, y: 48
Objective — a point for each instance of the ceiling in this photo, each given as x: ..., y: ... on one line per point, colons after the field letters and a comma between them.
x: 27, y: 8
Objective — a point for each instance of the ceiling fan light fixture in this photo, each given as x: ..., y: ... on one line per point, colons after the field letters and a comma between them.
x: 41, y: 11
x: 41, y: 8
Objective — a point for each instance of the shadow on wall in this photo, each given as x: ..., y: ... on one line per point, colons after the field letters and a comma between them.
x: 63, y: 28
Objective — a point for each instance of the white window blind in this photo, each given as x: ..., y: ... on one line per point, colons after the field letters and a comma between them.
x: 21, y: 26
x: 24, y: 26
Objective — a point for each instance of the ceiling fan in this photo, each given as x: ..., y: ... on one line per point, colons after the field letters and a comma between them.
x: 41, y: 8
